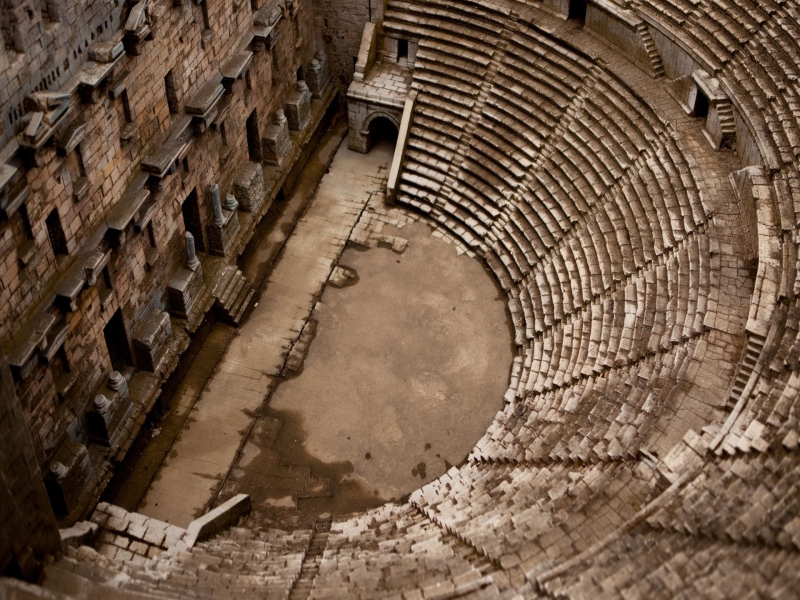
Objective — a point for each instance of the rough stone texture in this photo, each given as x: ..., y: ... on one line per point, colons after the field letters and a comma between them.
x: 91, y: 91
x: 340, y: 23
x: 648, y: 446
x: 28, y: 523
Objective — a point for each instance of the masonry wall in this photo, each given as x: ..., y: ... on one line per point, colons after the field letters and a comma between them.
x: 26, y: 519
x: 127, y: 120
x: 341, y: 23
x: 45, y: 42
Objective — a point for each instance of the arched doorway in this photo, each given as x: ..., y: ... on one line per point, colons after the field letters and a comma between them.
x: 382, y: 130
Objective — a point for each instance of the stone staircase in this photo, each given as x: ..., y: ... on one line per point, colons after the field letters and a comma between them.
x: 233, y: 295
x: 301, y: 590
x: 727, y: 125
x: 650, y: 47
x: 755, y: 345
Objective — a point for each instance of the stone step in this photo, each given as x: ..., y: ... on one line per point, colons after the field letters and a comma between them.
x: 233, y: 294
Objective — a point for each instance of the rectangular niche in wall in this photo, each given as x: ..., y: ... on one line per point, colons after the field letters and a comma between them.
x: 402, y: 49
x: 171, y: 91
x: 192, y: 221
x: 577, y: 11
x: 56, y: 233
x: 117, y: 344
x: 253, y: 137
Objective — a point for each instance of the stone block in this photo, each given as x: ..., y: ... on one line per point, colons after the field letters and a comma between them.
x: 183, y: 291
x: 276, y: 142
x: 107, y: 416
x: 151, y: 339
x: 298, y: 106
x: 222, y: 236
x: 318, y: 76
x: 69, y: 477
x: 248, y: 187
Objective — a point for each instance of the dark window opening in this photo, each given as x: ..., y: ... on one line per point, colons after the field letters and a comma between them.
x: 701, y: 104
x: 117, y: 344
x: 206, y: 20
x: 126, y: 106
x: 275, y: 70
x: 248, y: 81
x: 79, y: 161
x: 151, y: 236
x: 577, y: 11
x: 402, y: 49
x: 104, y: 285
x: 150, y: 248
x: 300, y: 74
x: 223, y: 134
x: 59, y: 366
x: 253, y: 137
x: 172, y: 93
x: 192, y: 222
x: 253, y: 4
x: 26, y: 222
x: 56, y: 233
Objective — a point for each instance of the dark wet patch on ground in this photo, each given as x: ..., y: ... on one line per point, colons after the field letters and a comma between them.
x: 279, y: 472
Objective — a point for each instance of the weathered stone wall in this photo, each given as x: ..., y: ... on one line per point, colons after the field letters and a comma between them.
x: 45, y: 42
x: 26, y: 519
x: 341, y: 23
x: 53, y: 308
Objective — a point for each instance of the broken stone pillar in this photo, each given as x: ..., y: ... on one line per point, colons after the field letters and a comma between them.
x: 106, y: 417
x: 298, y: 107
x: 151, y: 340
x: 318, y: 76
x: 186, y: 285
x: 276, y: 142
x: 192, y: 261
x: 68, y: 477
x: 223, y: 231
x: 248, y: 187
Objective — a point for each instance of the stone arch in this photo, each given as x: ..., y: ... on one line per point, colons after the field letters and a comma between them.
x: 394, y: 118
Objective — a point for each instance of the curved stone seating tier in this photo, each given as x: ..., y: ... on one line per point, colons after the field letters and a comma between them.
x: 602, y: 415
x: 533, y: 515
x: 390, y: 550
x: 648, y: 564
x: 619, y: 465
x: 240, y: 562
x: 771, y: 106
x: 715, y: 31
x: 749, y: 498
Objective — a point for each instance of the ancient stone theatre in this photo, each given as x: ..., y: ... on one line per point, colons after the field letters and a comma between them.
x: 404, y: 299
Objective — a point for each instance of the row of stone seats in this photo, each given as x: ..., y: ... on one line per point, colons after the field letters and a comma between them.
x: 715, y: 30
x: 476, y: 16
x: 527, y: 516
x: 457, y: 43
x: 654, y: 565
x: 750, y: 498
x: 534, y: 85
x: 663, y: 306
x: 395, y: 549
x: 772, y: 413
x: 763, y: 92
x: 606, y: 416
x: 241, y: 562
x: 595, y: 257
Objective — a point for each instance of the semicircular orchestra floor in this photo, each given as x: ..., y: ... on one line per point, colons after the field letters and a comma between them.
x: 395, y: 360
